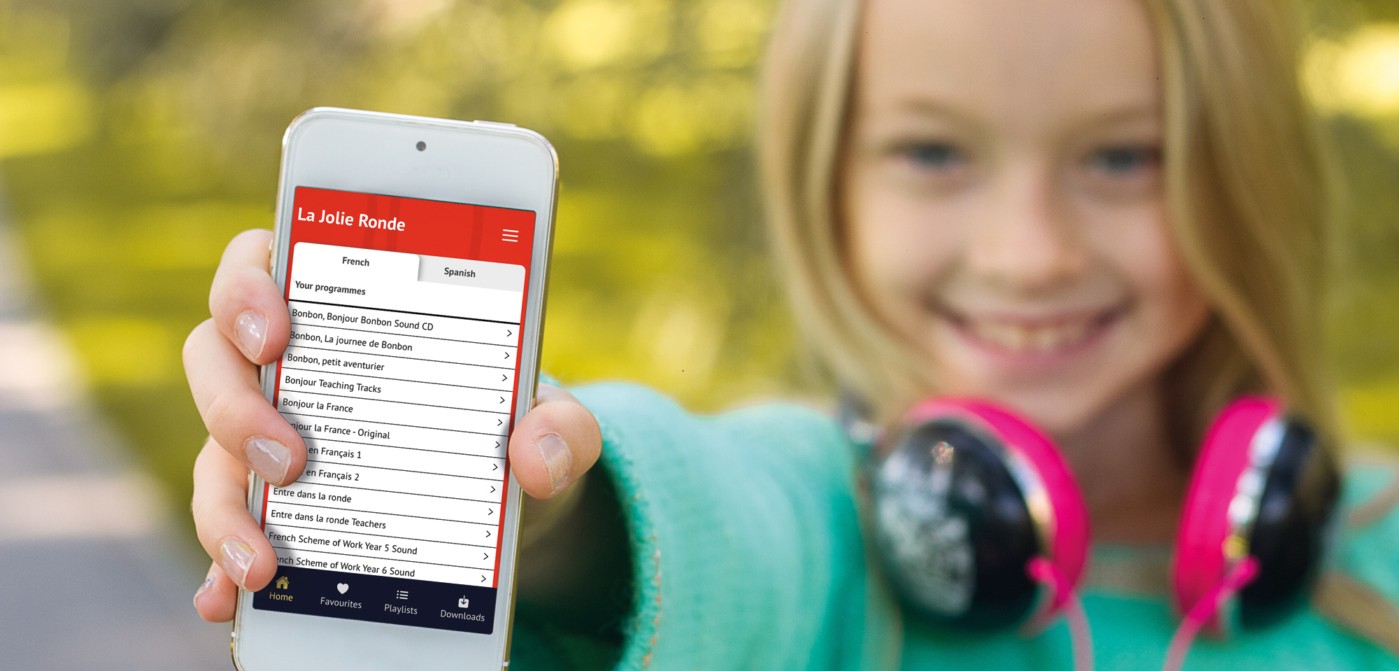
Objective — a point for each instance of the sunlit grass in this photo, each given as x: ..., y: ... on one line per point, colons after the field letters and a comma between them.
x: 43, y: 117
x: 1372, y: 411
x: 1356, y: 74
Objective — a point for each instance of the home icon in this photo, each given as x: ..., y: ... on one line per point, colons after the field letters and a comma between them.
x: 282, y: 582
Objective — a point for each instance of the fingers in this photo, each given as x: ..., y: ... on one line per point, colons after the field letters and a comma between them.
x: 247, y: 307
x: 217, y: 598
x: 250, y: 326
x: 554, y: 444
x: 226, y: 530
x: 230, y: 400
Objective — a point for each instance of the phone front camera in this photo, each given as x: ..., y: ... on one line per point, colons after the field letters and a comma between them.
x: 421, y: 145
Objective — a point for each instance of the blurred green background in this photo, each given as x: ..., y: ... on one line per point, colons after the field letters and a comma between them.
x: 137, y: 137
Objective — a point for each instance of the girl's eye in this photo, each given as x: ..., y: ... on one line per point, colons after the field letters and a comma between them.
x: 1125, y: 161
x: 931, y: 156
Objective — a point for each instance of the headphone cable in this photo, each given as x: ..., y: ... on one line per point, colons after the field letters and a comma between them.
x: 1204, y: 610
x: 1046, y: 573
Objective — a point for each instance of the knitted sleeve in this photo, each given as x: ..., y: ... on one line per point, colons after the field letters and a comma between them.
x: 744, y: 537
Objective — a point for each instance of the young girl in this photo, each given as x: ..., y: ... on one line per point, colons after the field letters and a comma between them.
x: 1108, y: 216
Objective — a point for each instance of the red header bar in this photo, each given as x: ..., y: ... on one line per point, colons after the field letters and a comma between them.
x: 412, y: 226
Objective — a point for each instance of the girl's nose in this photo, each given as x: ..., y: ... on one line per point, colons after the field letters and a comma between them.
x: 1026, y: 241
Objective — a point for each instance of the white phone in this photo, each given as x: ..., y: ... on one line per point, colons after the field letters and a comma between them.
x: 413, y: 254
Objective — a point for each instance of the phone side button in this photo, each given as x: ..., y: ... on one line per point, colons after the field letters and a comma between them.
x: 501, y: 124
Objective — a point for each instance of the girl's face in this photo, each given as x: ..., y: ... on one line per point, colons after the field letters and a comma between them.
x: 1002, y: 200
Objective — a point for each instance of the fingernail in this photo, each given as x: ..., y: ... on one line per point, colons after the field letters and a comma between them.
x: 203, y: 587
x: 251, y: 329
x: 268, y: 457
x: 236, y: 557
x: 558, y: 460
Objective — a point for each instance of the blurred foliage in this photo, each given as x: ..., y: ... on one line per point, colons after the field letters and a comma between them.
x: 137, y: 137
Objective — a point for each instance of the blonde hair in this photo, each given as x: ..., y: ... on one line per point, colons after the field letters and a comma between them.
x: 806, y: 85
x: 1251, y: 200
x: 1249, y: 186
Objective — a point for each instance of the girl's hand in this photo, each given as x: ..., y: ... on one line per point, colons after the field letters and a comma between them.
x: 550, y: 450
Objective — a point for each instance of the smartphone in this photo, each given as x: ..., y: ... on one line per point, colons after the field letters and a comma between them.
x: 413, y: 255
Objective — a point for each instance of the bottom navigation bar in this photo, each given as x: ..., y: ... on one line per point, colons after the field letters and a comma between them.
x: 355, y: 596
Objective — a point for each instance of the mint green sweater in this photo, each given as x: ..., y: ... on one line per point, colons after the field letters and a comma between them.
x: 748, y: 554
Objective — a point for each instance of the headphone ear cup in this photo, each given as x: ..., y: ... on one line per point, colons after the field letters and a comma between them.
x: 966, y: 497
x: 1264, y: 487
x: 1295, y: 527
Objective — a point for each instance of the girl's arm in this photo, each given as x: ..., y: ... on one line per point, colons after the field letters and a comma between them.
x: 744, y: 539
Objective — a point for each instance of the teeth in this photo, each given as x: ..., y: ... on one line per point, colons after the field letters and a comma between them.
x: 1020, y: 338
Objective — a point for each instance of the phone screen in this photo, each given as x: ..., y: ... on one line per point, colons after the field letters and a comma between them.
x: 401, y: 377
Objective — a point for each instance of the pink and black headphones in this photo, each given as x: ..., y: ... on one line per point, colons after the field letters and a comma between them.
x: 981, y: 524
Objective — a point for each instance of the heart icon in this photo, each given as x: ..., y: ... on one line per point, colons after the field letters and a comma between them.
x: 342, y: 588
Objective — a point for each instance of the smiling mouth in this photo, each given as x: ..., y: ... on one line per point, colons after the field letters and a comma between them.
x: 1020, y: 335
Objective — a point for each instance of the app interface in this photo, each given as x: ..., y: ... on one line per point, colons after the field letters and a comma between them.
x: 401, y: 376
